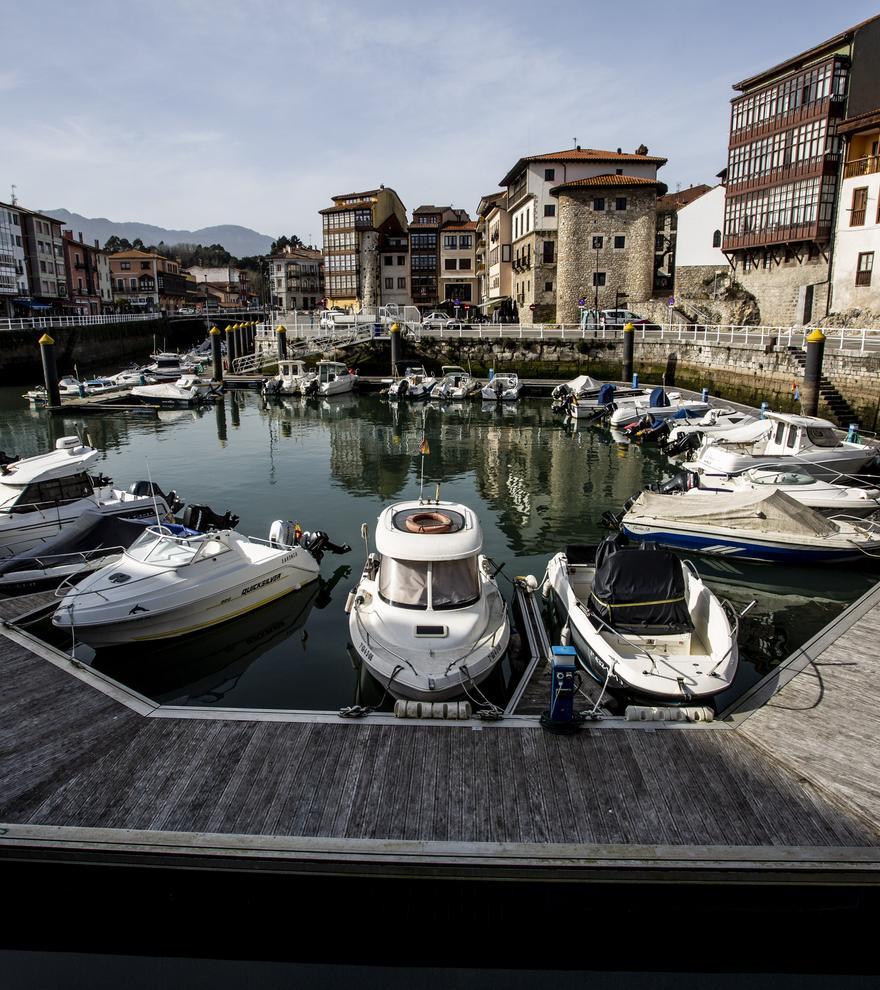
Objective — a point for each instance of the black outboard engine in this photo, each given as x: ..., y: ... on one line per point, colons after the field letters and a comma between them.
x: 311, y: 387
x: 681, y: 482
x: 402, y: 388
x: 7, y: 458
x: 203, y: 519
x: 318, y: 541
x: 147, y: 489
x: 684, y: 444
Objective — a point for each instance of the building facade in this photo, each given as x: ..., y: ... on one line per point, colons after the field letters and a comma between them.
x: 606, y: 228
x: 296, y: 279
x: 668, y: 207
x: 458, y: 265
x: 699, y: 260
x: 494, y: 252
x: 352, y: 229
x: 533, y: 205
x: 424, y: 243
x: 783, y: 172
x: 395, y: 287
x: 146, y: 281
x: 13, y: 261
x: 84, y: 276
x: 44, y: 251
x: 855, y: 283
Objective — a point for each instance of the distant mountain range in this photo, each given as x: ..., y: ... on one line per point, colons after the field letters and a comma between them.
x: 239, y: 241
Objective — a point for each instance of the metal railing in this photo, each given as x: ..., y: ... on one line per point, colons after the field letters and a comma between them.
x: 53, y: 322
x: 860, y: 340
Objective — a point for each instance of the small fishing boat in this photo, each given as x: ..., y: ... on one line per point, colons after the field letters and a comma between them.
x: 334, y: 378
x: 783, y: 438
x: 186, y: 391
x: 416, y: 384
x: 659, y: 404
x: 68, y: 387
x: 642, y: 621
x: 168, y: 367
x: 718, y: 421
x: 752, y: 525
x: 502, y: 388
x: 42, y: 495
x: 427, y: 618
x: 293, y: 378
x: 176, y: 580
x: 455, y: 383
x: 824, y: 496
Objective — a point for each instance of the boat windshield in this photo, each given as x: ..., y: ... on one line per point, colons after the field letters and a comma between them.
x: 404, y: 582
x: 822, y: 436
x: 452, y: 583
x: 163, y: 545
x: 769, y: 477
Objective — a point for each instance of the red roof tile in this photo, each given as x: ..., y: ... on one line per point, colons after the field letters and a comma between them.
x: 599, y: 181
x: 580, y: 155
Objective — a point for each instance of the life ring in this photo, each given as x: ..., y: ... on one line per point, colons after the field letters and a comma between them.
x: 429, y: 522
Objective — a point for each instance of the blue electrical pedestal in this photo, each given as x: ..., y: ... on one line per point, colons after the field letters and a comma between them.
x: 563, y: 683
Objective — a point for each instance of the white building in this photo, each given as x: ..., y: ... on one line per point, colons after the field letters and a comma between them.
x: 395, y: 285
x: 856, y: 266
x: 221, y: 276
x: 295, y: 278
x: 698, y: 254
x: 13, y: 266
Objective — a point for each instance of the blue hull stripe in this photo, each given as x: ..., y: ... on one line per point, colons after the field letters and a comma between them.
x: 725, y: 546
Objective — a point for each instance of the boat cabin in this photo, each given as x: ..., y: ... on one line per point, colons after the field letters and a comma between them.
x: 46, y: 480
x: 292, y: 369
x: 329, y: 371
x: 791, y: 434
x: 173, y: 545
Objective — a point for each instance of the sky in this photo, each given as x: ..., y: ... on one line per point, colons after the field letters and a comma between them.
x: 189, y: 113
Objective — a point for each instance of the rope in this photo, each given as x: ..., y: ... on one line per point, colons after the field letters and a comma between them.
x: 486, y: 710
x: 359, y: 711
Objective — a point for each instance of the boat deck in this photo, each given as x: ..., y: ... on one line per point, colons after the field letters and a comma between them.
x: 88, y: 767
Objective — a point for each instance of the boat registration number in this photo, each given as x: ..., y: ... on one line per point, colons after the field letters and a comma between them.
x: 367, y: 652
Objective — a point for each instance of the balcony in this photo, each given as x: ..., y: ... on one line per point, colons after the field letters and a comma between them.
x: 817, y: 232
x: 861, y: 166
x: 830, y: 106
x: 518, y: 192
x: 807, y: 169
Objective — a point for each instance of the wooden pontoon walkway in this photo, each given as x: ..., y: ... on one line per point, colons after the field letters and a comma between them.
x: 789, y: 792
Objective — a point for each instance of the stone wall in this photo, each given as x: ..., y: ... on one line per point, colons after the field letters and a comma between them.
x: 629, y: 270
x: 778, y: 289
x: 93, y: 349
x: 370, y: 268
x: 697, y: 281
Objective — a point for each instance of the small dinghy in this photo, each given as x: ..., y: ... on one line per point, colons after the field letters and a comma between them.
x: 659, y: 405
x: 176, y: 580
x: 427, y: 617
x: 502, y: 388
x: 416, y: 384
x: 186, y: 391
x: 752, y: 525
x: 456, y: 383
x: 642, y: 621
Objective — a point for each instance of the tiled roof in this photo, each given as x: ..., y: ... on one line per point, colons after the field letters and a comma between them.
x: 579, y: 155
x: 360, y: 195
x: 470, y: 225
x: 600, y: 181
x: 361, y: 205
x: 674, y: 201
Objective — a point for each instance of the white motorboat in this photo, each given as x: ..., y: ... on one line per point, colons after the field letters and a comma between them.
x: 427, y: 617
x: 659, y: 404
x: 783, y: 438
x: 293, y: 378
x: 718, y: 421
x: 502, y: 388
x: 455, y: 383
x: 186, y: 391
x: 168, y: 367
x: 133, y: 376
x: 68, y: 387
x: 334, y: 378
x: 643, y: 621
x: 824, y: 496
x: 765, y: 526
x: 416, y: 384
x: 40, y: 496
x: 175, y: 580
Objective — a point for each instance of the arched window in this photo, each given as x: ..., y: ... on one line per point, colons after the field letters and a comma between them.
x: 716, y: 239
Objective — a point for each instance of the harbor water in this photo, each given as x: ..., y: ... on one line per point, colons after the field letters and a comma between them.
x: 536, y: 483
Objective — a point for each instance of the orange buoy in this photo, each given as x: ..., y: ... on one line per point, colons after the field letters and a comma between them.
x: 429, y: 522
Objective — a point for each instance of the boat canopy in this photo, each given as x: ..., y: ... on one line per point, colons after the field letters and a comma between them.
x: 606, y: 394
x: 428, y: 531
x: 658, y: 398
x: 636, y: 590
x: 762, y: 512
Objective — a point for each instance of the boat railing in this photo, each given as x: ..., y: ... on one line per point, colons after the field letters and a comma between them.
x: 66, y: 586
x: 733, y: 620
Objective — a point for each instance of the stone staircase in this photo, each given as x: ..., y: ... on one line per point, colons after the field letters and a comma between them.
x: 841, y: 411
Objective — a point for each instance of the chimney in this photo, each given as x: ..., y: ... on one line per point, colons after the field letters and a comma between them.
x: 97, y: 245
x: 620, y: 151
x: 81, y: 237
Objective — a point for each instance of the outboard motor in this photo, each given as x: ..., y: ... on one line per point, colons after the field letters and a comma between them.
x: 7, y: 458
x: 681, y: 482
x: 318, y: 541
x: 685, y: 443
x: 311, y: 387
x: 402, y: 388
x: 204, y: 519
x: 284, y: 533
x: 147, y: 489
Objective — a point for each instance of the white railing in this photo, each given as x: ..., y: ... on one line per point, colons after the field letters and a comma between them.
x: 861, y: 340
x: 53, y: 322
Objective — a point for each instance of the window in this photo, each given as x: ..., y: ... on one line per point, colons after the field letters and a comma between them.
x: 133, y: 282
x: 859, y: 203
x: 450, y: 241
x: 548, y: 286
x: 464, y: 264
x: 864, y: 268
x: 716, y: 239
x: 598, y: 242
x: 388, y: 259
x: 389, y: 283
x: 549, y: 252
x: 449, y: 264
x: 145, y: 266
x: 125, y: 266
x: 404, y: 582
x: 401, y: 283
x: 120, y: 285
x: 549, y: 174
x: 505, y: 253
x: 401, y: 259
x: 619, y: 242
x: 599, y: 204
x: 454, y: 583
x: 598, y: 278
x: 465, y: 240
x: 550, y: 210
x: 620, y: 203
x: 618, y: 171
x: 792, y: 436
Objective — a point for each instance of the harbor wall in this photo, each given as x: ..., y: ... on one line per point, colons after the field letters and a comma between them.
x: 93, y: 349
x: 748, y: 373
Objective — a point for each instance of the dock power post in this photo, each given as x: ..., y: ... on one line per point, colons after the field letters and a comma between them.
x: 564, y: 680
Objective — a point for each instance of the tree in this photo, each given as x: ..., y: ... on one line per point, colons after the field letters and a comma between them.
x: 116, y: 243
x: 283, y: 242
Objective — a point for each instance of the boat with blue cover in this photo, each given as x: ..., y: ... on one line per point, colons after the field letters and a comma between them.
x: 660, y: 404
x: 750, y: 525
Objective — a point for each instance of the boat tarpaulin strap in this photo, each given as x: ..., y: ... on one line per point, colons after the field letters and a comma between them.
x: 636, y: 589
x: 773, y: 512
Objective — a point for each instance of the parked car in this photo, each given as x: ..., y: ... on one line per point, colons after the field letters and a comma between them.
x: 186, y: 311
x: 480, y: 318
x: 614, y: 319
x: 433, y: 321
